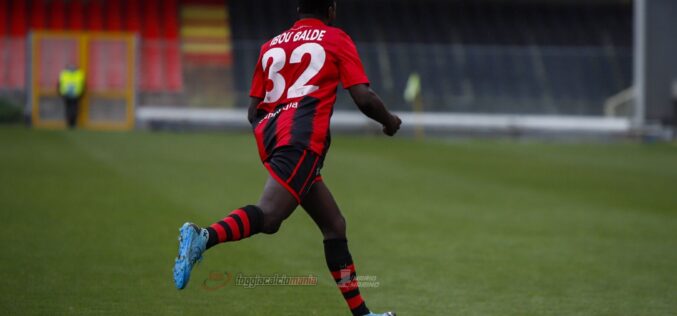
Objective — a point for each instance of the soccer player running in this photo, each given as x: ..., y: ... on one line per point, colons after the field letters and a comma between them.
x: 292, y: 98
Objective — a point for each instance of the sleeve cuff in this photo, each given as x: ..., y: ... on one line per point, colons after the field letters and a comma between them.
x: 354, y: 83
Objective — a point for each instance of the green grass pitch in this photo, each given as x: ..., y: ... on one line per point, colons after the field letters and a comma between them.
x: 89, y: 223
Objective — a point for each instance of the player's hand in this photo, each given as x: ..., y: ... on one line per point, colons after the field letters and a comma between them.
x: 393, y: 126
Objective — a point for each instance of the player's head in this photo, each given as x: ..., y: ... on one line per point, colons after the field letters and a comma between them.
x: 322, y: 9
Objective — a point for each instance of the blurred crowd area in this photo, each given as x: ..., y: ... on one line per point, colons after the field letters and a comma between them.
x: 479, y: 56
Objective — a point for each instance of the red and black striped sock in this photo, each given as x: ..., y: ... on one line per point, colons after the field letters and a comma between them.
x: 341, y: 265
x: 239, y: 224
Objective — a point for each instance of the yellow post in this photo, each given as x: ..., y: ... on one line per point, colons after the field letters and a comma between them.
x: 83, y: 65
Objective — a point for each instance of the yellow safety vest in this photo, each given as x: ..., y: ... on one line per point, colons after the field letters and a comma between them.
x: 71, y: 83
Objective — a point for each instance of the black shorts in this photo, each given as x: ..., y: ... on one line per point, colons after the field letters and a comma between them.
x: 295, y: 169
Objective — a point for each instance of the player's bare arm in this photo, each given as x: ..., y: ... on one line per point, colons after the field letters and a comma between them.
x: 373, y: 107
x: 251, y: 112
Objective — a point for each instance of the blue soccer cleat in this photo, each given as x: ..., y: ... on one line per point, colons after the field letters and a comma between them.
x: 192, y: 243
x: 384, y: 314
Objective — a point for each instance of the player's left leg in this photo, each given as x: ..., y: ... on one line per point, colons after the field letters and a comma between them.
x: 275, y: 205
x: 321, y: 206
x: 291, y: 173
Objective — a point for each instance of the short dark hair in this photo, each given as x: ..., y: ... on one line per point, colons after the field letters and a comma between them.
x: 318, y: 7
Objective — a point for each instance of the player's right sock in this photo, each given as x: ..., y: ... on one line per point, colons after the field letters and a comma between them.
x: 241, y: 223
x: 341, y: 265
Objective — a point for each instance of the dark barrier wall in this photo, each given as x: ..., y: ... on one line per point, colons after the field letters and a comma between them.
x: 660, y: 59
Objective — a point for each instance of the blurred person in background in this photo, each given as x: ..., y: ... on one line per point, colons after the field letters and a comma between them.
x: 71, y: 88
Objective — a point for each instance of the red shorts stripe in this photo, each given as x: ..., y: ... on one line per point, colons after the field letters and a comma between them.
x: 298, y: 165
x: 295, y: 169
x: 245, y: 222
x: 285, y: 121
x: 303, y: 187
x: 282, y: 182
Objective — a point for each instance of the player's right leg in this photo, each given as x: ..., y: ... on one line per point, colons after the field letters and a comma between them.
x: 275, y: 205
x: 321, y: 206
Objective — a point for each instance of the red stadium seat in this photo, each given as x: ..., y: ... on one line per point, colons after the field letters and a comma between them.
x: 151, y: 19
x: 170, y: 21
x: 105, y: 74
x: 76, y: 15
x: 17, y: 63
x: 151, y: 66
x: 95, y: 79
x: 95, y: 16
x: 57, y: 16
x: 172, y: 48
x: 38, y: 14
x: 4, y: 7
x: 15, y: 47
x: 18, y: 19
x: 115, y: 74
x: 4, y: 24
x: 3, y: 61
x: 133, y: 15
x: 113, y: 15
x: 157, y: 22
x: 173, y: 67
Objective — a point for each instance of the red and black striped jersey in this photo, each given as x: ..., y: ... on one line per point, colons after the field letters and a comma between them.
x: 297, y: 76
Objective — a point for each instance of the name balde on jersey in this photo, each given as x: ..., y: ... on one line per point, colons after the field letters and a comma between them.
x: 307, y: 35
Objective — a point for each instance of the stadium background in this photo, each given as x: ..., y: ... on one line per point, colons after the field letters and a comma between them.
x: 518, y: 57
x: 448, y: 225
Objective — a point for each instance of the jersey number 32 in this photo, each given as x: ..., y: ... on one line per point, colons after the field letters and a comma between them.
x: 300, y: 87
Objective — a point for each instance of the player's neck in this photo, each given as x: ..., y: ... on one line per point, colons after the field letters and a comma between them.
x: 313, y: 16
